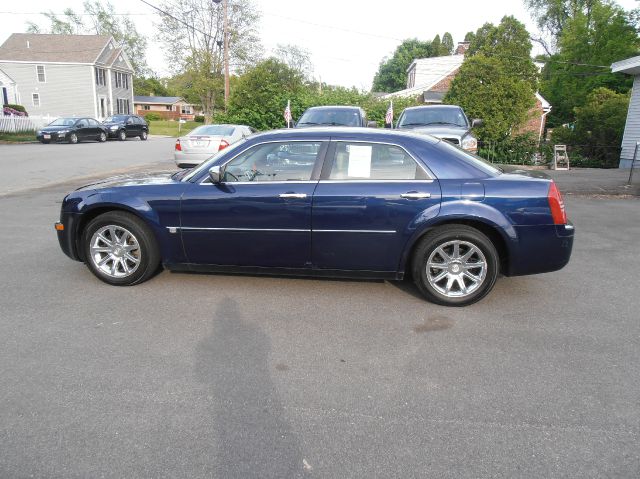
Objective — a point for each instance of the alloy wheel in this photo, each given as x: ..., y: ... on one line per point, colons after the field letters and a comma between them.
x: 456, y: 269
x: 115, y: 251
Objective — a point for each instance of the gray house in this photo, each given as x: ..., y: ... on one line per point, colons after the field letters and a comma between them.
x: 66, y: 75
x: 630, y: 66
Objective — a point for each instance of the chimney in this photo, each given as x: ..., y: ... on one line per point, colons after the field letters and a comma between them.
x: 28, y: 44
x: 462, y: 48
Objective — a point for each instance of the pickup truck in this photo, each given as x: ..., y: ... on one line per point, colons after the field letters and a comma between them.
x: 447, y: 122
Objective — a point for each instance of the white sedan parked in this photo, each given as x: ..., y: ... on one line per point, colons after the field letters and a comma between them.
x: 205, y: 141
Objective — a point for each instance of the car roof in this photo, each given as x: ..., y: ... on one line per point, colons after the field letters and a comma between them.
x: 334, y: 107
x: 339, y: 132
x: 422, y: 107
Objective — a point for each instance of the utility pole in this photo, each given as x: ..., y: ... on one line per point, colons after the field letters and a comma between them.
x: 225, y: 46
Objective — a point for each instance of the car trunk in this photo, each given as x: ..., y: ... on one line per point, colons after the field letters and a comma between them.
x: 201, y: 144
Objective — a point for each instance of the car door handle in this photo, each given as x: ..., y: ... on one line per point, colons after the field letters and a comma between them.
x: 414, y: 195
x: 293, y: 195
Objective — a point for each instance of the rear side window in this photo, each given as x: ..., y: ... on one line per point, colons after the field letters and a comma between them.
x: 372, y: 161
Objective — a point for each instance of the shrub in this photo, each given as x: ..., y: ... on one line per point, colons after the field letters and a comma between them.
x: 512, y: 150
x: 11, y: 109
x: 153, y: 116
x: 199, y: 119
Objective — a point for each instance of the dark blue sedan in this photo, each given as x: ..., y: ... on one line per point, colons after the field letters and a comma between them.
x: 326, y: 202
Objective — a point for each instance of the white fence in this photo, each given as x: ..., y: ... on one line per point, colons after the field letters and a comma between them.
x: 19, y: 124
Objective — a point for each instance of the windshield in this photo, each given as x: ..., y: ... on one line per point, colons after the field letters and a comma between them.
x: 115, y: 119
x: 63, y: 122
x: 327, y: 116
x: 205, y: 165
x: 213, y: 130
x: 433, y: 115
x: 475, y: 160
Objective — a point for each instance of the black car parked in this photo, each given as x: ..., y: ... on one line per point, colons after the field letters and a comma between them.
x: 126, y: 126
x: 72, y: 130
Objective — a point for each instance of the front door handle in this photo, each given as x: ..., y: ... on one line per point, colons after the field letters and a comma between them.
x: 414, y: 195
x: 293, y: 195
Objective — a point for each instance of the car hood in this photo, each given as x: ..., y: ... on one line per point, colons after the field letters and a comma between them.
x: 131, y: 180
x: 440, y: 130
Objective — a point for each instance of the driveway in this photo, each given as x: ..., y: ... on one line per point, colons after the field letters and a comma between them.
x: 34, y: 165
x: 225, y: 376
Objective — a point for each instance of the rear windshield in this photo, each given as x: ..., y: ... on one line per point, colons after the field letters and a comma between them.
x: 475, y: 160
x: 330, y: 117
x: 63, y: 122
x: 213, y: 130
x: 433, y: 115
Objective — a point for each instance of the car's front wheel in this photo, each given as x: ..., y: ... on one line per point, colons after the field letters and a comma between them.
x: 73, y: 138
x: 122, y: 135
x: 120, y: 249
x: 143, y: 135
x: 102, y: 137
x: 455, y: 265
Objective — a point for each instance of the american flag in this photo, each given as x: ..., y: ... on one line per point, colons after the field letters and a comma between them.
x: 287, y: 113
x: 388, y: 119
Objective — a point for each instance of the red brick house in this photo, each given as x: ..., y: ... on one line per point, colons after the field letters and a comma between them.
x: 429, y: 79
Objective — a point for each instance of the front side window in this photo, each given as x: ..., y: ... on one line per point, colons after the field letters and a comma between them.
x: 81, y: 123
x: 372, y: 161
x: 41, y: 76
x: 291, y: 161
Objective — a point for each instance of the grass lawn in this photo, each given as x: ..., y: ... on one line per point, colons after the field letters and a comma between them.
x: 18, y: 137
x: 170, y: 128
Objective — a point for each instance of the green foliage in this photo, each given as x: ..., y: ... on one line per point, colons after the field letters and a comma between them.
x: 153, y: 116
x: 597, y: 133
x: 600, y: 35
x: 16, y: 107
x: 150, y: 86
x: 447, y: 44
x: 198, y: 118
x: 497, y: 81
x: 511, y: 150
x: 392, y: 73
x: 171, y: 127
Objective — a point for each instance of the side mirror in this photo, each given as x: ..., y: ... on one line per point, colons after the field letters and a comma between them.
x: 476, y: 122
x: 372, y: 124
x: 215, y: 174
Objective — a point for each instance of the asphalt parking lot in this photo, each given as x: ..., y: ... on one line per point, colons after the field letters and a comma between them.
x: 192, y: 375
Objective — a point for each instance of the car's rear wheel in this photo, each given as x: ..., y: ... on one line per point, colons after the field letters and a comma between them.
x: 120, y: 249
x: 73, y: 138
x: 122, y: 135
x: 102, y: 137
x: 455, y: 265
x: 143, y: 135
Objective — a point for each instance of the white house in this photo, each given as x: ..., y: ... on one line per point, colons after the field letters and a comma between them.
x: 630, y: 66
x: 66, y: 75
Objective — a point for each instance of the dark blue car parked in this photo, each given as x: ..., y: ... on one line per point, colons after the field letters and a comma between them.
x: 329, y: 202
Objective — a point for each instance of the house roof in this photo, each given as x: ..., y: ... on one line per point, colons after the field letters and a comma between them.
x: 165, y: 100
x: 429, y: 72
x: 37, y: 47
x: 630, y: 66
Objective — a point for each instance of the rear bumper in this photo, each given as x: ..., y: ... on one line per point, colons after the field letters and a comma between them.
x: 189, y: 160
x: 541, y: 249
x: 67, y: 236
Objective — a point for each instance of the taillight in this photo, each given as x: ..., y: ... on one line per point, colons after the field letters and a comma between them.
x: 557, y: 205
x: 178, y: 147
x: 223, y: 145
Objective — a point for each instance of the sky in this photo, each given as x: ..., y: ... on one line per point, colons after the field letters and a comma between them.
x: 346, y: 39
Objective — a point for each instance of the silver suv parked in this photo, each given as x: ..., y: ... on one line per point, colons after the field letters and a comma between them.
x: 448, y: 122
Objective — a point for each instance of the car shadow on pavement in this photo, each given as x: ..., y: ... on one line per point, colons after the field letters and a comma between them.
x: 251, y: 433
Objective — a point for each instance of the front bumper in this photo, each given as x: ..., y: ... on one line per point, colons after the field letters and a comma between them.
x: 67, y: 235
x: 53, y: 137
x: 541, y: 249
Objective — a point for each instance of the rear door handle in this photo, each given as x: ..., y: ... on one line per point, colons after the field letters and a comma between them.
x: 293, y: 195
x: 414, y: 195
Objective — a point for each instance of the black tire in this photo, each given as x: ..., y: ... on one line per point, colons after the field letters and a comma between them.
x: 466, y: 238
x: 73, y: 138
x: 102, y: 137
x: 148, y: 253
x: 122, y: 135
x: 144, y: 135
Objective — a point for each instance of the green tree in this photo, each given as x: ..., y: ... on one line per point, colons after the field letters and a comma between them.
x: 392, y: 73
x: 149, y: 86
x: 100, y: 19
x: 590, y: 41
x: 295, y: 57
x: 497, y: 81
x: 447, y: 44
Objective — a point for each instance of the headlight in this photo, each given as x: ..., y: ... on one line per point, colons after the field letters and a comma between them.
x: 113, y: 127
x: 470, y: 143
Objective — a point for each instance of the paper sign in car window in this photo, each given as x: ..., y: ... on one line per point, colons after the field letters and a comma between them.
x: 359, y: 161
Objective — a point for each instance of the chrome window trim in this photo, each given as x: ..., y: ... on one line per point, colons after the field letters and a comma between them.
x: 204, y: 181
x: 360, y: 180
x: 423, y: 167
x: 356, y: 231
x: 295, y: 182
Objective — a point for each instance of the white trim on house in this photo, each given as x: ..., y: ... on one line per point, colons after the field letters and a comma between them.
x: 110, y: 101
x: 106, y: 45
x: 630, y: 66
x: 95, y: 99
x: 44, y: 63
